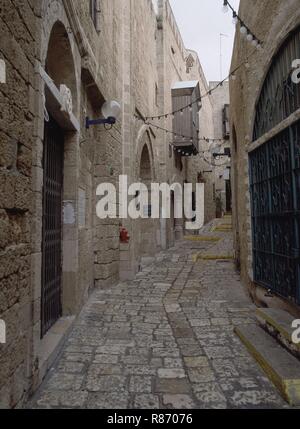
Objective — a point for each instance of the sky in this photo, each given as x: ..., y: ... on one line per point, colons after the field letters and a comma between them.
x: 200, y: 23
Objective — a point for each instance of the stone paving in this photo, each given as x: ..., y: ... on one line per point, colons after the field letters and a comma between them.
x: 164, y: 340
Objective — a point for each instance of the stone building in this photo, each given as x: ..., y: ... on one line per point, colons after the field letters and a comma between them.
x: 265, y: 102
x: 220, y: 103
x: 63, y: 59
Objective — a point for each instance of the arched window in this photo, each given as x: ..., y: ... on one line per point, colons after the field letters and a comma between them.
x: 280, y: 96
x: 275, y: 179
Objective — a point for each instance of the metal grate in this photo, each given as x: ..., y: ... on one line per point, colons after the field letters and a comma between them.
x: 52, y: 226
x: 280, y: 97
x: 275, y: 190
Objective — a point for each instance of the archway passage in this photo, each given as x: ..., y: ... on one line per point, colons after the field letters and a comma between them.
x: 52, y: 225
x: 147, y: 226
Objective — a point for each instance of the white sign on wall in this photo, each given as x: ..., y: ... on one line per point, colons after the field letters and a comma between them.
x: 2, y: 332
x: 226, y: 175
x: 81, y: 208
x: 69, y: 213
x: 2, y: 71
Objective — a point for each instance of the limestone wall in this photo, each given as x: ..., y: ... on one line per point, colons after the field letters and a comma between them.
x: 18, y: 37
x: 271, y: 21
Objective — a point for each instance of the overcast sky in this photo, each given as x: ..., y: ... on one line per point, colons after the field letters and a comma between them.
x: 200, y: 23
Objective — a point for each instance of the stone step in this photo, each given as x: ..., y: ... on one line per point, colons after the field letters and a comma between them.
x: 279, y: 324
x: 280, y: 366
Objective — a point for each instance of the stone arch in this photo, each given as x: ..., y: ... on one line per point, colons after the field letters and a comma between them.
x: 59, y: 62
x: 56, y: 24
x: 283, y: 33
x: 144, y: 147
x: 145, y: 165
x: 146, y: 229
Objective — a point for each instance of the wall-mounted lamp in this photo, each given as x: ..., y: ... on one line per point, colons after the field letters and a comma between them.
x: 111, y: 110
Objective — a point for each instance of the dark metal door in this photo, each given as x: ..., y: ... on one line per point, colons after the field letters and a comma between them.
x: 275, y: 197
x: 51, y: 309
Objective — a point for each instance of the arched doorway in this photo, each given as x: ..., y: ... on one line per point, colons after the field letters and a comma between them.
x: 59, y: 66
x: 147, y: 240
x: 275, y: 178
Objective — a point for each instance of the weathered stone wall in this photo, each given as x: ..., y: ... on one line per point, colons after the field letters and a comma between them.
x: 271, y: 21
x: 18, y: 37
x: 127, y: 57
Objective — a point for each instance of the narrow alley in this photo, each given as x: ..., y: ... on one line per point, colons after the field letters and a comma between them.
x: 166, y: 339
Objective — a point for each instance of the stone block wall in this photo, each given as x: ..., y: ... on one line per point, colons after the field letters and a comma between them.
x: 271, y: 21
x: 18, y: 37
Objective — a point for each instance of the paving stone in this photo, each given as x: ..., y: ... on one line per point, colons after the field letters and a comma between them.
x: 201, y: 375
x: 196, y: 361
x: 171, y: 373
x: 210, y: 395
x: 106, y: 359
x: 70, y: 367
x: 172, y: 363
x: 108, y: 400
x: 164, y: 339
x: 146, y: 402
x: 140, y: 384
x: 62, y: 399
x: 173, y: 386
x: 109, y: 383
x: 63, y: 381
x: 179, y: 402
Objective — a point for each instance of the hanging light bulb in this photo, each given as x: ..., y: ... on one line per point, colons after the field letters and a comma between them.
x: 243, y: 29
x: 235, y: 18
x: 249, y: 37
x: 181, y: 112
x: 190, y: 108
x: 225, y: 6
x: 247, y: 65
x: 233, y: 76
x: 254, y: 42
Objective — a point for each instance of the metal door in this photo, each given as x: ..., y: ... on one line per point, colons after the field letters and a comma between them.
x: 51, y: 309
x: 275, y: 196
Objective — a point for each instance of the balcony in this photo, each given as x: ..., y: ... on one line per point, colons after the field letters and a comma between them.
x: 186, y: 120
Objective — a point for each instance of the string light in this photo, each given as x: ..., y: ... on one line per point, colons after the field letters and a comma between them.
x: 235, y: 19
x: 189, y: 106
x: 251, y: 38
x: 176, y: 135
x: 225, y: 7
x: 244, y: 30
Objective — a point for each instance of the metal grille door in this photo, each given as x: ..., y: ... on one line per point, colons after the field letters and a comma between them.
x: 275, y: 195
x: 52, y: 225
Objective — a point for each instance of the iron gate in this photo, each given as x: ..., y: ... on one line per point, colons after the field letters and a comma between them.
x: 275, y: 197
x: 51, y: 309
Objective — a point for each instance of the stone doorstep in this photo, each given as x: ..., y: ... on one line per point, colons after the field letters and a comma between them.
x: 280, y: 366
x: 202, y: 238
x: 278, y: 322
x: 51, y: 345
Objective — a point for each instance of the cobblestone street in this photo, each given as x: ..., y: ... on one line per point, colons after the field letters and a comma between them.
x: 164, y: 340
